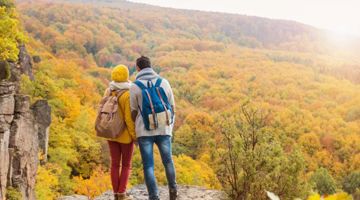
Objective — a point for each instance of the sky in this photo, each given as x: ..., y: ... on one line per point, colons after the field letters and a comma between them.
x: 339, y: 16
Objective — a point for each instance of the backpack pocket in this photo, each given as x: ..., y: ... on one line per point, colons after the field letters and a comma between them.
x: 161, y: 120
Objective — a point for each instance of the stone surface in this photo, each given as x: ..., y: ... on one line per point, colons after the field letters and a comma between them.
x: 73, y: 197
x: 23, y: 154
x: 42, y: 114
x: 22, y: 104
x: 140, y: 193
x: 23, y: 130
x: 4, y: 159
x: 7, y: 88
x: 7, y: 104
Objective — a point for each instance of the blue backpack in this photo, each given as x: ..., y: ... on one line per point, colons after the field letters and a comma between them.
x: 156, y: 110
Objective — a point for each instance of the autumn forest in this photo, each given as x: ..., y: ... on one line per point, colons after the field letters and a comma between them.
x: 262, y: 105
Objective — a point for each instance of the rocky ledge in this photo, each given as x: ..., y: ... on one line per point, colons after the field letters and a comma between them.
x: 140, y: 193
x: 24, y: 132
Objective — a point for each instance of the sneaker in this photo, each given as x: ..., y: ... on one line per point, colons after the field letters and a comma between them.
x: 173, y: 194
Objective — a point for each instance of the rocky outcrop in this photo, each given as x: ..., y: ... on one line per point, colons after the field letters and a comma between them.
x: 23, y: 66
x: 42, y: 114
x: 24, y: 130
x: 140, y: 193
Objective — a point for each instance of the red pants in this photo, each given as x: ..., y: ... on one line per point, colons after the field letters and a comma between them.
x: 120, y: 152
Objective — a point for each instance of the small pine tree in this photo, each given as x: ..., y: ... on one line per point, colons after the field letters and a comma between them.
x: 323, y: 182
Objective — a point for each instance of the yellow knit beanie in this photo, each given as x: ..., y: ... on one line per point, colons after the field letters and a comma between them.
x: 120, y: 74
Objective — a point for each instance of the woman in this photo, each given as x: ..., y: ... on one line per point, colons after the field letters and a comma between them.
x: 121, y: 148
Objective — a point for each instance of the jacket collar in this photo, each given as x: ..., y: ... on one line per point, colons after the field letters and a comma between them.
x: 146, y: 74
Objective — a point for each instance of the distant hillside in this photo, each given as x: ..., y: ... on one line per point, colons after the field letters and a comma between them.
x: 250, y: 31
x: 240, y: 29
x: 118, y: 31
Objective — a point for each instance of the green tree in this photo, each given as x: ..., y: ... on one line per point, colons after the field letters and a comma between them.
x: 323, y: 182
x: 7, y: 3
x: 251, y: 159
x: 351, y: 183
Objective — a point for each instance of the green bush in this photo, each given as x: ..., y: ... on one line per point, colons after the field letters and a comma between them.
x: 7, y: 3
x: 4, y: 70
x: 323, y: 182
x: 13, y: 194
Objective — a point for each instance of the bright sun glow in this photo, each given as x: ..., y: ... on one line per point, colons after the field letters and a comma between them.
x: 340, y: 16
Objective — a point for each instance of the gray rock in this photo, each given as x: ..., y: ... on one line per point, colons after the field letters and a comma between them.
x: 7, y: 104
x: 22, y: 104
x: 185, y: 193
x: 73, y: 197
x: 140, y: 193
x: 7, y: 88
x: 4, y: 160
x: 42, y: 113
x: 23, y: 154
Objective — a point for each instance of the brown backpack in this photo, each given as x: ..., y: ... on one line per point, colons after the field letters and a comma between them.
x: 110, y: 121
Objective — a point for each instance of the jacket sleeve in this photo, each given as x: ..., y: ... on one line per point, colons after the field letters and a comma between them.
x: 128, y: 120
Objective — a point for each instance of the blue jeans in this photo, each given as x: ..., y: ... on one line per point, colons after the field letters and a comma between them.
x: 146, y: 145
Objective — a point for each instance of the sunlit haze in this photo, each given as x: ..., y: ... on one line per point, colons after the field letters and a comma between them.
x: 340, y: 16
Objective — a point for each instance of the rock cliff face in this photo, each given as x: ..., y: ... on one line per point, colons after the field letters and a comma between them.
x: 140, y: 193
x: 24, y: 131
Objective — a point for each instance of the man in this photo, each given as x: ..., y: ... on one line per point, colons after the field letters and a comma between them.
x: 161, y: 136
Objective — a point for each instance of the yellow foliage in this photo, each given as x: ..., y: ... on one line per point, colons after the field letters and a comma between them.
x: 195, y: 172
x: 10, y: 35
x: 338, y: 196
x: 47, y: 182
x: 98, y: 183
x: 314, y: 197
x: 71, y: 107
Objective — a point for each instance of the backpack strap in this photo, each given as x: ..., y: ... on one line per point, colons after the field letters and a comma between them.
x: 140, y: 84
x: 152, y: 108
x: 158, y: 82
x: 165, y: 109
x: 121, y: 92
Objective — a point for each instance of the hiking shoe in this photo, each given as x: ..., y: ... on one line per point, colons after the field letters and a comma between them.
x: 122, y: 196
x: 155, y: 198
x: 173, y: 193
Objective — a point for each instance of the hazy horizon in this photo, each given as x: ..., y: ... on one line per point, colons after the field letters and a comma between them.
x: 305, y: 11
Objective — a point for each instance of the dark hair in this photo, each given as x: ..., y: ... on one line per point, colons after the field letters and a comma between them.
x: 143, y: 62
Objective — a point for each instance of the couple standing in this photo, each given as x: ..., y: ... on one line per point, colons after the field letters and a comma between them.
x: 149, y: 102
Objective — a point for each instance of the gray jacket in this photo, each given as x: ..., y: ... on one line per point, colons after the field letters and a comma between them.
x: 136, y: 102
